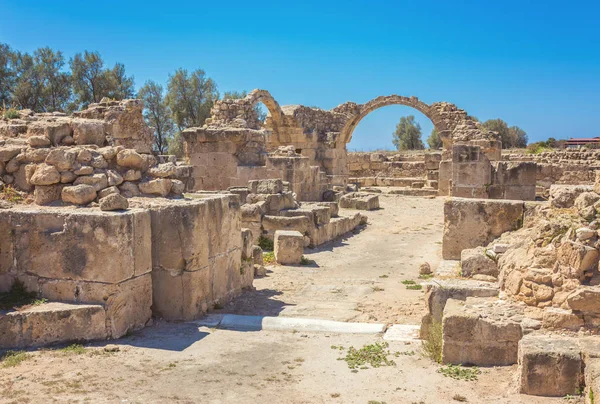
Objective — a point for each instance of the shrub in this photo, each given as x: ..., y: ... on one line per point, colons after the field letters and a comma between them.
x: 11, y: 113
x: 432, y: 343
x: 265, y: 243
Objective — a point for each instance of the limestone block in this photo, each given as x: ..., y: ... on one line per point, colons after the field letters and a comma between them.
x: 247, y: 244
x: 51, y: 323
x: 62, y: 158
x: 130, y: 159
x: 177, y: 187
x: 74, y: 244
x: 108, y: 191
x: 470, y: 223
x: 470, y: 338
x: 268, y: 186
x: 478, y: 261
x: 585, y: 299
x: 361, y: 201
x: 162, y: 170
x: 549, y: 366
x: 289, y: 246
x: 159, y: 186
x: 78, y: 194
x: 129, y: 189
x: 578, y: 258
x: 45, y: 175
x: 46, y: 194
x: 132, y: 175
x: 301, y: 224
x: 555, y: 318
x: 592, y: 380
x: 96, y: 181
x: 112, y: 202
x: 7, y: 152
x: 114, y: 178
x: 88, y: 131
x: 180, y: 295
x: 38, y: 141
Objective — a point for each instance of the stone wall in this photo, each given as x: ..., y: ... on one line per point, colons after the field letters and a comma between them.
x: 99, y: 151
x: 569, y: 166
x: 176, y: 257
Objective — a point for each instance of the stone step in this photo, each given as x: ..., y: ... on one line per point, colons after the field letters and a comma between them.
x: 51, y: 323
x: 414, y: 191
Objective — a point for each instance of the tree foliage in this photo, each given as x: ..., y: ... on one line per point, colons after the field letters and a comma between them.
x: 408, y: 134
x: 511, y: 137
x: 92, y: 82
x: 434, y: 140
x: 157, y: 115
x: 191, y: 96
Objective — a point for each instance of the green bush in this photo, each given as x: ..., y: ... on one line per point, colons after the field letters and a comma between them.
x: 11, y: 113
x: 265, y: 243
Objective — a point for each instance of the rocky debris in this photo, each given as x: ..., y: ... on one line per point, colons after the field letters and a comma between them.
x: 78, y: 194
x: 425, y: 269
x: 113, y: 201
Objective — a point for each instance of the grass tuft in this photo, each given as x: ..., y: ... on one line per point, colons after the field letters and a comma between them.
x: 374, y: 355
x: 458, y: 372
x: 432, y: 343
x: 73, y: 349
x: 13, y: 358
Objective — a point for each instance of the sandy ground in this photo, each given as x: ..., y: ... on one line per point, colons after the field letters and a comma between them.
x: 355, y: 279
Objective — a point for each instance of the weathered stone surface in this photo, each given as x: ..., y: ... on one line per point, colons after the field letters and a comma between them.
x: 361, y: 201
x: 425, y: 269
x: 130, y: 159
x: 113, y: 201
x: 46, y: 194
x: 177, y: 187
x: 108, y: 191
x: 471, y: 338
x: 478, y: 261
x: 470, y: 223
x: 78, y: 194
x: 114, y: 178
x: 585, y: 299
x: 132, y: 175
x: 87, y: 131
x: 549, y: 366
x: 159, y: 186
x: 563, y: 196
x: 162, y: 170
x: 45, y: 175
x: 51, y: 323
x: 97, y: 181
x: 268, y: 186
x: 129, y: 189
x: 555, y: 318
x: 38, y: 141
x: 289, y: 246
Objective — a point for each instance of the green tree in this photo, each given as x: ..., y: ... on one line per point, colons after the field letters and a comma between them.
x: 120, y: 87
x: 7, y: 74
x: 56, y: 91
x: 190, y: 97
x: 518, y: 137
x: 434, y: 140
x: 408, y: 134
x: 234, y: 95
x: 157, y: 115
x: 28, y: 89
x: 89, y: 78
x: 92, y: 82
x: 498, y: 125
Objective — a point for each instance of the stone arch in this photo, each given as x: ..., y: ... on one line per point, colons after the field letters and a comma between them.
x: 276, y: 114
x: 383, y: 101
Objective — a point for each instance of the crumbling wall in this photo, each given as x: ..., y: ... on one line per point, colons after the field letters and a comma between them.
x: 99, y: 151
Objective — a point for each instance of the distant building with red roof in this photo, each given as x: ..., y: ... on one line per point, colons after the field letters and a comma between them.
x: 582, y: 141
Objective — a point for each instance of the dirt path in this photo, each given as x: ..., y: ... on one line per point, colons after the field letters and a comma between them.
x: 359, y: 277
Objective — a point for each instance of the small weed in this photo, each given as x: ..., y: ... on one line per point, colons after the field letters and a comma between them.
x: 339, y: 348
x: 414, y: 287
x: 432, y: 343
x: 17, y: 297
x: 11, y: 113
x: 335, y: 395
x: 377, y: 289
x: 375, y: 355
x: 457, y: 372
x: 383, y: 276
x: 305, y: 261
x: 299, y: 360
x: 269, y: 258
x: 265, y: 243
x: 426, y: 276
x: 408, y: 282
x: 172, y: 365
x: 376, y: 402
x: 74, y: 349
x: 39, y: 301
x: 458, y: 397
x: 10, y: 194
x: 406, y: 353
x: 13, y: 358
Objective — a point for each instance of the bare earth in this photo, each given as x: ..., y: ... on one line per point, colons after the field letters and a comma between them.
x: 355, y: 279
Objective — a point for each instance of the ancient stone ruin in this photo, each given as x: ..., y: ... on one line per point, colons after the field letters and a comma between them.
x: 111, y: 236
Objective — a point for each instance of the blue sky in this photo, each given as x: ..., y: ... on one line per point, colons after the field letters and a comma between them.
x: 535, y: 64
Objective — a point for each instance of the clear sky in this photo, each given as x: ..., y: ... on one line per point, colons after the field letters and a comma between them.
x: 535, y: 64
